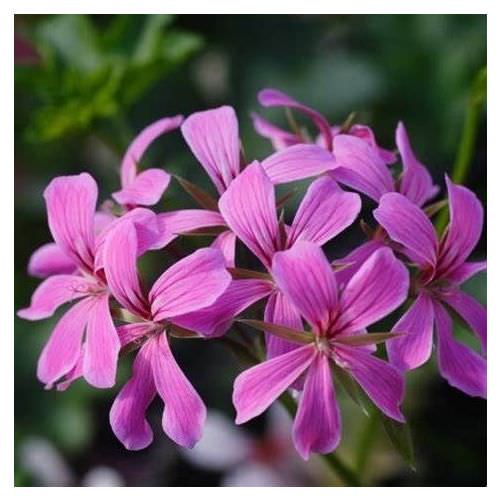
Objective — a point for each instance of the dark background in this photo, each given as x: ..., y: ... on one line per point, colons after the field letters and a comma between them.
x: 84, y: 85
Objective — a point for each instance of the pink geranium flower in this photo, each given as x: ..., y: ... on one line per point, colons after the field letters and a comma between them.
x: 192, y: 283
x: 443, y: 267
x: 305, y: 277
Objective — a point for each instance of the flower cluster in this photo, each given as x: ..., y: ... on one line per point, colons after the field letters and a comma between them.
x: 316, y: 312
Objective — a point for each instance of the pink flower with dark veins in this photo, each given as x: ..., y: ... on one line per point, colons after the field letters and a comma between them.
x: 443, y: 267
x: 338, y: 319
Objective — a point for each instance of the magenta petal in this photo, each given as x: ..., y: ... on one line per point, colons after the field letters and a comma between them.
x: 305, y: 276
x: 249, y: 209
x: 184, y: 414
x: 280, y: 311
x: 366, y: 133
x: 132, y: 332
x: 215, y: 320
x: 71, y: 203
x: 102, y: 345
x: 190, y: 284
x: 317, y: 425
x: 272, y: 97
x: 466, y: 271
x: 383, y: 383
x: 226, y: 243
x: 360, y: 167
x: 464, y: 229
x: 280, y: 139
x: 378, y: 288
x: 49, y: 259
x: 472, y: 312
x: 74, y: 374
x: 298, y: 162
x: 258, y: 387
x: 458, y: 364
x: 416, y: 182
x: 128, y: 413
x: 62, y: 351
x: 214, y: 139
x: 146, y: 189
x: 52, y: 293
x: 414, y: 347
x: 325, y: 211
x: 141, y: 143
x: 408, y: 225
x: 120, y: 266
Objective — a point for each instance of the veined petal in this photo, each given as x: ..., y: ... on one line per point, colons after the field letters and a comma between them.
x: 128, y: 413
x: 226, y: 243
x: 464, y: 229
x: 305, y: 276
x: 298, y: 162
x: 52, y: 293
x: 378, y: 288
x: 360, y: 167
x: 272, y: 98
x: 416, y: 182
x: 132, y: 332
x: 71, y: 203
x: 472, y: 312
x: 408, y: 225
x: 366, y: 133
x: 190, y: 284
x: 249, y: 209
x: 383, y: 383
x: 317, y: 425
x: 215, y: 320
x: 466, y: 271
x: 146, y: 189
x: 325, y: 211
x: 49, y: 259
x: 62, y: 351
x: 414, y: 347
x: 120, y: 266
x: 280, y: 139
x: 213, y: 137
x: 458, y: 364
x: 141, y: 143
x: 258, y: 387
x: 184, y: 414
x: 102, y: 345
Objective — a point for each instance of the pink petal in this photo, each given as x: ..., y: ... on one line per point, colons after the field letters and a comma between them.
x: 52, y: 293
x: 74, y: 374
x: 190, y: 284
x: 458, y: 364
x: 472, y: 312
x: 128, y: 413
x: 408, y: 225
x: 256, y: 388
x: 466, y: 271
x: 213, y: 137
x: 464, y: 229
x: 184, y: 414
x: 120, y: 267
x: 416, y: 182
x: 298, y: 162
x: 226, y: 243
x: 366, y: 133
x: 249, y: 209
x: 132, y: 332
x: 378, y: 288
x: 49, y: 259
x: 141, y: 143
x: 215, y: 320
x: 62, y: 351
x: 280, y: 311
x: 280, y: 139
x: 414, y: 348
x: 146, y: 189
x: 102, y: 345
x: 360, y: 167
x: 304, y: 275
x: 317, y: 425
x: 383, y: 383
x: 71, y: 203
x: 272, y: 97
x: 324, y: 212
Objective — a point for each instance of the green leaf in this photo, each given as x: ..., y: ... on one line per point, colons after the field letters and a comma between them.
x: 148, y: 44
x: 284, y: 332
x: 351, y: 388
x: 179, y: 45
x: 400, y: 437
